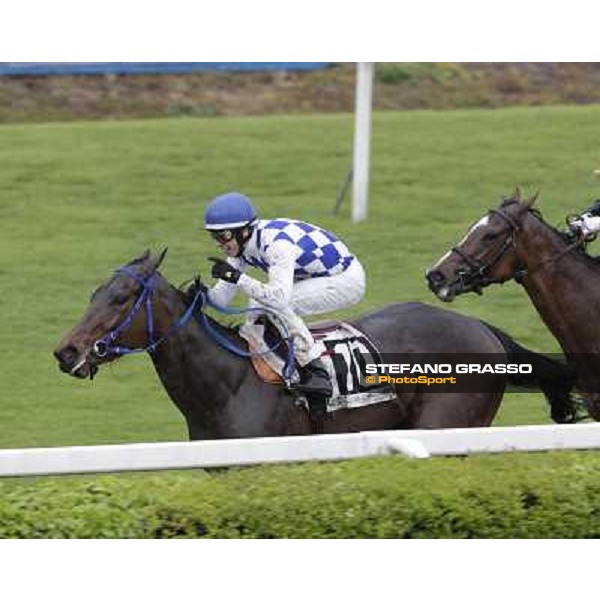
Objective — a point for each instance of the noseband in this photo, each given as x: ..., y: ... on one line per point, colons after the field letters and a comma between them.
x: 476, y: 277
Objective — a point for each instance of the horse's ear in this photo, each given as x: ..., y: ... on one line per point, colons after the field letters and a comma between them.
x: 143, y: 258
x: 155, y: 262
x: 531, y: 201
x: 162, y: 257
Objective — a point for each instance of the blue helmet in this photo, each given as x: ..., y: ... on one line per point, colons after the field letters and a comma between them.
x: 229, y: 211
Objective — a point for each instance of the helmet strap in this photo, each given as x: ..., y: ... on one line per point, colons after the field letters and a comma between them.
x: 242, y: 235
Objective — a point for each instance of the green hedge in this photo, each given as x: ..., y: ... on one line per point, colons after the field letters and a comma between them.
x: 521, y: 495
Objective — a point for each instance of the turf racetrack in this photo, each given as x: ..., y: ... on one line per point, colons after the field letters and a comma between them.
x: 79, y: 199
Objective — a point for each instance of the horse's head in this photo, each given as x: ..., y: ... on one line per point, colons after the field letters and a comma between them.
x: 119, y: 317
x: 486, y: 255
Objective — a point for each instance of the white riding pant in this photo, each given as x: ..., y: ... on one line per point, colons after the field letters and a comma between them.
x: 313, y: 297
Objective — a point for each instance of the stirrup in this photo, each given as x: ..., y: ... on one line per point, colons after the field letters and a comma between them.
x: 325, y: 389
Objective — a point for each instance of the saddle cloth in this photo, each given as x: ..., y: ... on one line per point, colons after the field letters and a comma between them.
x: 344, y: 352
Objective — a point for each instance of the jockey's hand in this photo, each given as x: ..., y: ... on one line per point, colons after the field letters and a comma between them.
x: 585, y: 226
x: 575, y: 226
x: 223, y: 270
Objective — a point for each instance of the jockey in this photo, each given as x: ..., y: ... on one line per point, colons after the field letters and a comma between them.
x: 310, y: 271
x: 588, y: 223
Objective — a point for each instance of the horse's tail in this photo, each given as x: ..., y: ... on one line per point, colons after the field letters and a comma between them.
x: 554, y: 378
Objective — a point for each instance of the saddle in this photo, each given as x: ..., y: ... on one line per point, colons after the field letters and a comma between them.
x: 345, y: 352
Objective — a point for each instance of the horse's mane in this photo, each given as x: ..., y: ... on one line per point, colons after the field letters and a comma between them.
x: 232, y: 331
x: 579, y: 251
x: 182, y: 291
x: 138, y: 261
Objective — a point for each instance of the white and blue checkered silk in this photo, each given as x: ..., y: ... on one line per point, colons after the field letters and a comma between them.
x: 319, y: 253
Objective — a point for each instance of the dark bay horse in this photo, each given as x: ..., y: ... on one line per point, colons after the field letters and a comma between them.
x: 563, y: 282
x: 219, y: 393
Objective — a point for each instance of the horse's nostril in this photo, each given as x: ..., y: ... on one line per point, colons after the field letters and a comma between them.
x: 435, y: 277
x: 66, y: 355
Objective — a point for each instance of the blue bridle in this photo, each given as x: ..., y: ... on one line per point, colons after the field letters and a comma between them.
x: 107, y: 344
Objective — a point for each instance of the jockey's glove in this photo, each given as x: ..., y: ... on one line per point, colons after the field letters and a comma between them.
x: 586, y: 225
x: 223, y: 270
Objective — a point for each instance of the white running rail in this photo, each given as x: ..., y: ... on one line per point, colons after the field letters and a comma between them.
x: 253, y: 451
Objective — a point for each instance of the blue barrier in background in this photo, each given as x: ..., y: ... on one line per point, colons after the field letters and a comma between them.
x: 123, y: 68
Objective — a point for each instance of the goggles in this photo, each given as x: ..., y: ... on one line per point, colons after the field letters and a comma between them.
x: 222, y: 235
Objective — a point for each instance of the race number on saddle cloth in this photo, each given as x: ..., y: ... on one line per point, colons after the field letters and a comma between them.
x: 310, y: 271
x: 347, y: 351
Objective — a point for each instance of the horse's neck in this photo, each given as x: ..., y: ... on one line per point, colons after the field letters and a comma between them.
x: 564, y: 289
x: 197, y: 373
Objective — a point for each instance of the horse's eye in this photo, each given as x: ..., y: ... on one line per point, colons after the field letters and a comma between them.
x: 490, y: 236
x: 120, y: 299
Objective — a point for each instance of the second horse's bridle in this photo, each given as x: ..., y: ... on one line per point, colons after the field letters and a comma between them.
x: 477, y: 276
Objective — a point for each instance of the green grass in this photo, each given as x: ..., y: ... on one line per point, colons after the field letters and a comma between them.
x: 518, y: 495
x: 77, y: 200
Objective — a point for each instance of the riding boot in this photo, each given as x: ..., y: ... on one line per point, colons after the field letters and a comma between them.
x: 317, y: 411
x: 314, y: 379
x: 316, y: 386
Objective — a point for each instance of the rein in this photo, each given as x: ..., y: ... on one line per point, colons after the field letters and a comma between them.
x: 107, y: 344
x: 554, y: 259
x: 288, y: 369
